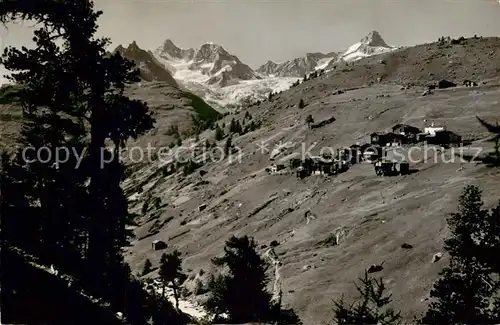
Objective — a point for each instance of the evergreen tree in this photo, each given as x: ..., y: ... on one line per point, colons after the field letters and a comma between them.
x: 301, y: 104
x: 147, y: 267
x: 468, y: 289
x: 494, y: 158
x: 371, y: 308
x: 309, y: 120
x: 171, y: 274
x: 232, y: 126
x: 252, y: 126
x: 219, y: 134
x: 241, y: 294
x: 190, y: 167
x: 72, y: 90
x: 238, y: 128
x: 228, y: 146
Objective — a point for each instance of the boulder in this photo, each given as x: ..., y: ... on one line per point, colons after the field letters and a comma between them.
x: 436, y: 257
x: 375, y: 268
x: 443, y: 84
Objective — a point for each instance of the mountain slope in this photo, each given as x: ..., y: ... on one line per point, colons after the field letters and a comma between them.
x: 169, y: 105
x: 150, y: 68
x: 298, y: 67
x: 219, y: 77
x: 371, y: 44
x: 172, y: 107
x: 210, y: 64
x: 378, y: 214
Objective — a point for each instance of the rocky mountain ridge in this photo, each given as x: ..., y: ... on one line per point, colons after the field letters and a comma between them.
x: 371, y: 44
x: 223, y: 80
x: 298, y: 67
x: 216, y: 65
x: 150, y: 68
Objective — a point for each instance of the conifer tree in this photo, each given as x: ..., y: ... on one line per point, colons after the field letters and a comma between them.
x: 309, y: 120
x: 72, y: 97
x: 219, y: 134
x: 301, y: 104
x: 494, y: 158
x: 241, y: 293
x: 232, y: 126
x: 371, y: 308
x: 467, y: 291
x: 171, y: 273
x: 147, y: 267
x: 238, y: 128
x: 228, y: 146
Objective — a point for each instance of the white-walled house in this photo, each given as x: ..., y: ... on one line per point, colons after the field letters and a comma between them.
x: 431, y: 130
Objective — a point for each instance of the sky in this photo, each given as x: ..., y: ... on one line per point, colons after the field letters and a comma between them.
x: 257, y: 31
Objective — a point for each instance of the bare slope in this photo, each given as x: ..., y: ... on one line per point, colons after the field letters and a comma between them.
x: 477, y: 59
x: 378, y: 214
x: 170, y: 107
x: 150, y: 68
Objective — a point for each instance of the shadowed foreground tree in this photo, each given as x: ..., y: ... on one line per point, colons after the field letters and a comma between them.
x: 73, y: 213
x: 493, y: 158
x: 171, y: 274
x: 242, y: 294
x: 468, y: 290
x: 371, y: 308
x: 69, y: 92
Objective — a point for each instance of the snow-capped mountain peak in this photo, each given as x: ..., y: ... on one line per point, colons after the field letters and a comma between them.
x: 371, y: 44
x: 298, y: 67
x: 169, y: 51
x: 374, y: 39
x: 150, y: 68
x: 210, y: 64
x: 218, y: 75
x: 210, y: 52
x: 133, y: 47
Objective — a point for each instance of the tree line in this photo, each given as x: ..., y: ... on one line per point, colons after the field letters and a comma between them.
x: 72, y: 95
x: 467, y: 291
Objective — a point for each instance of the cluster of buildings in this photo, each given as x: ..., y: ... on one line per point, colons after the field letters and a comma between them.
x: 406, y: 134
x: 373, y: 151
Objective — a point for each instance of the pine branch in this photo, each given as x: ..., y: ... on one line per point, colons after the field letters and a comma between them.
x: 490, y: 127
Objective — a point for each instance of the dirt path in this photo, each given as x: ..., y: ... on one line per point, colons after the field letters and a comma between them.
x: 185, y: 306
x: 277, y: 291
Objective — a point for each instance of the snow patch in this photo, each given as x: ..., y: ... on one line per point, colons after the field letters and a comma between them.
x: 249, y: 89
x: 322, y: 63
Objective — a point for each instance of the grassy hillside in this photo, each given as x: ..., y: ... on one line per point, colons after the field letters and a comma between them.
x: 377, y: 214
x: 477, y: 59
x: 203, y: 110
x: 9, y: 94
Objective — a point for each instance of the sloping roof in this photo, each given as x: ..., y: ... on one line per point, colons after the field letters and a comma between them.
x: 406, y: 127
